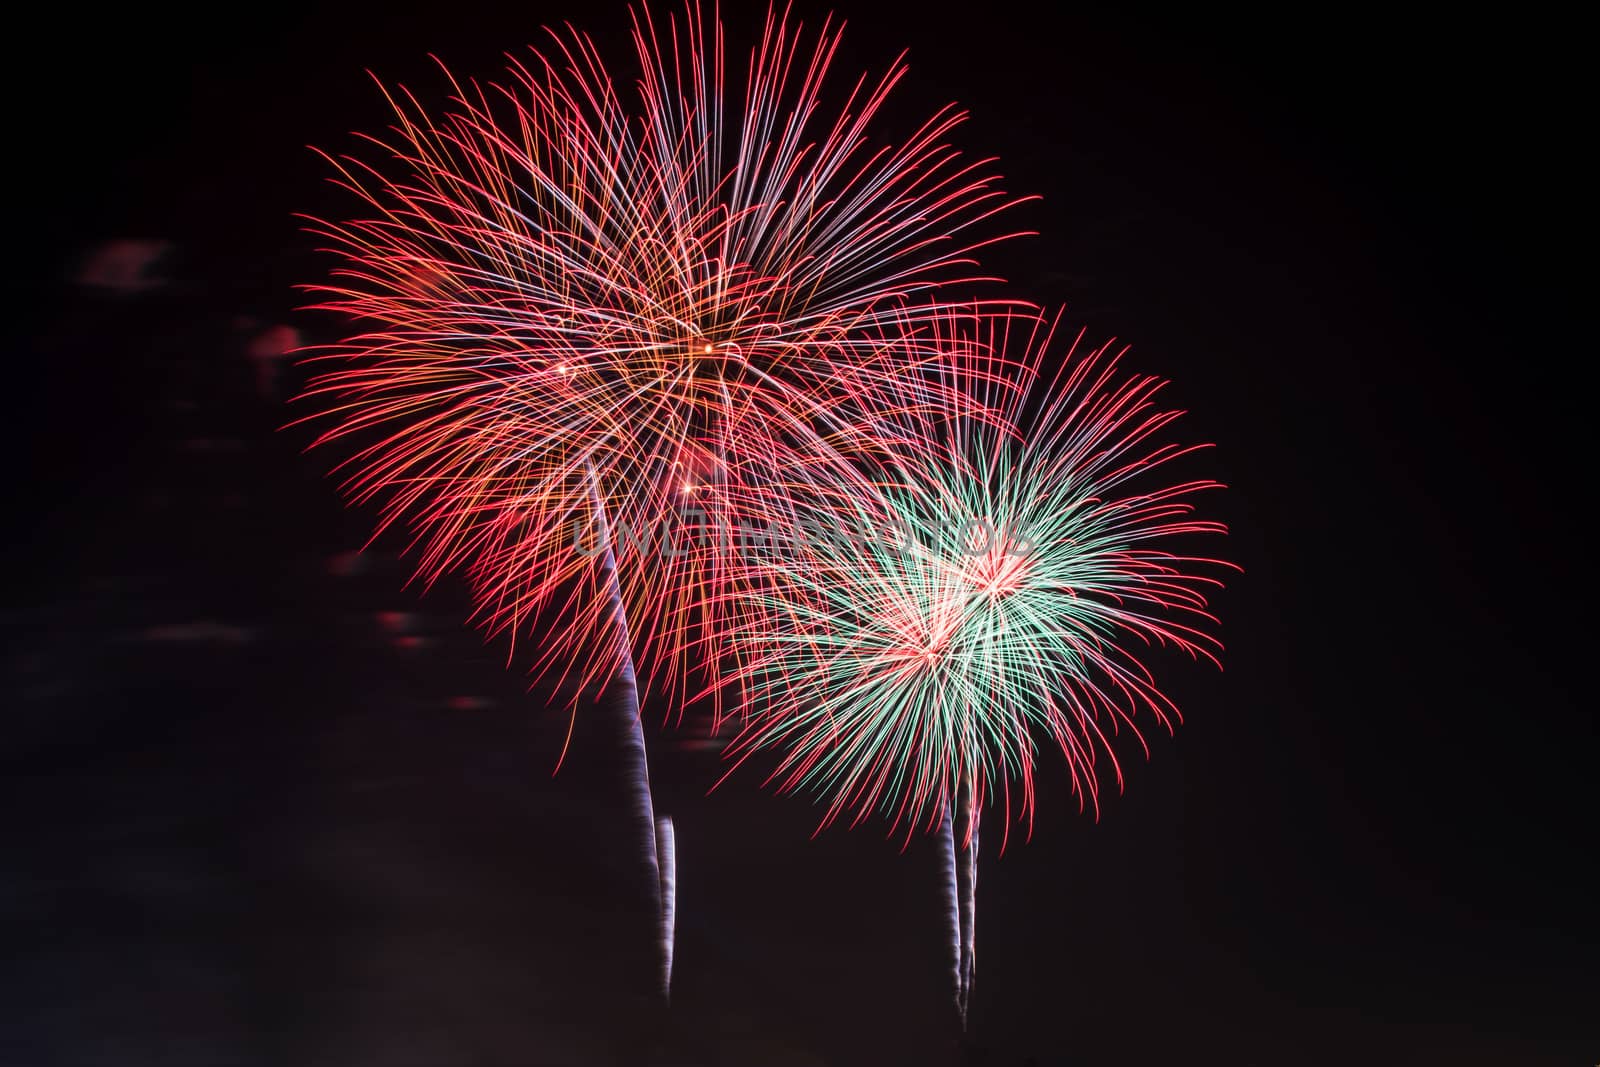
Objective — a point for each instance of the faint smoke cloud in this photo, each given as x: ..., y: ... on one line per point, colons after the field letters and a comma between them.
x: 347, y: 564
x: 266, y: 349
x: 124, y: 266
x: 204, y: 631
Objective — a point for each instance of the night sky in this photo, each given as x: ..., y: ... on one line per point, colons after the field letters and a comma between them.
x: 263, y: 804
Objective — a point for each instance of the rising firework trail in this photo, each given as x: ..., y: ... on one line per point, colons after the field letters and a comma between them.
x: 952, y: 899
x: 667, y: 852
x: 958, y: 849
x: 624, y: 689
x: 585, y: 309
x: 1003, y: 582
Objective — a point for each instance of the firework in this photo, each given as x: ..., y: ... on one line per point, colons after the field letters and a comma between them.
x: 594, y: 318
x: 996, y: 584
x: 577, y: 294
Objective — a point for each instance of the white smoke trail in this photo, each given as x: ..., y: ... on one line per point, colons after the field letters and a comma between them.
x: 947, y: 853
x: 667, y: 853
x: 967, y: 893
x: 626, y: 686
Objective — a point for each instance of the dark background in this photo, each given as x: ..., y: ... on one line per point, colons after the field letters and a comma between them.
x: 266, y: 806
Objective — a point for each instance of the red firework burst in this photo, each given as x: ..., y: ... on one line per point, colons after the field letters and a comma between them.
x: 592, y: 313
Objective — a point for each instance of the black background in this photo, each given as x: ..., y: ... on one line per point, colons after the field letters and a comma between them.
x: 1353, y: 244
